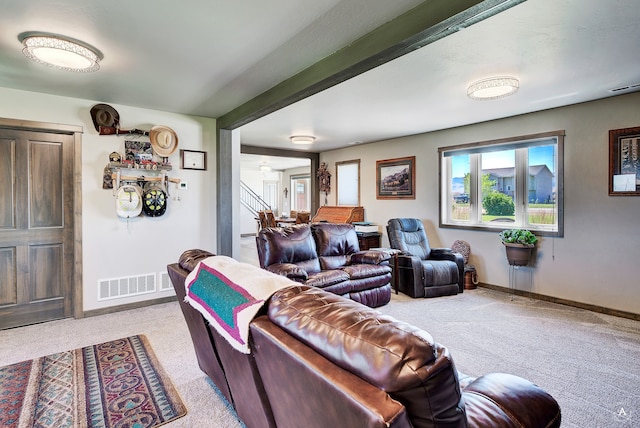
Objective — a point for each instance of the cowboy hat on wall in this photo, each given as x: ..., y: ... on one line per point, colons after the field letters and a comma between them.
x: 104, y: 115
x: 164, y: 140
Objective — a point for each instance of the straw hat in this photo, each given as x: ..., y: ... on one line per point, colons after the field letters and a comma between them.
x: 104, y: 115
x: 128, y: 201
x: 163, y: 140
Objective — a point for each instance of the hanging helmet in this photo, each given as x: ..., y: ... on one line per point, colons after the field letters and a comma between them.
x: 128, y: 201
x: 154, y: 202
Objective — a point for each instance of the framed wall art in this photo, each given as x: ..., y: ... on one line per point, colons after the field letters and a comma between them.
x: 624, y: 162
x: 395, y: 178
x: 193, y: 159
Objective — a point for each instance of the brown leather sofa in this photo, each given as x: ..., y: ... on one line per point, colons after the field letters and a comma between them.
x: 327, y: 256
x: 320, y: 360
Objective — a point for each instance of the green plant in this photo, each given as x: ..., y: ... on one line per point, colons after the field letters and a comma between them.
x: 518, y: 236
x: 496, y: 203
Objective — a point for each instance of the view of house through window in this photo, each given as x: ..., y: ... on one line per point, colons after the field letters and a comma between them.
x: 300, y: 193
x: 506, y: 183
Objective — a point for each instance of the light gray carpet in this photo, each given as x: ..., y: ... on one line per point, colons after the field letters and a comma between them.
x: 587, y: 361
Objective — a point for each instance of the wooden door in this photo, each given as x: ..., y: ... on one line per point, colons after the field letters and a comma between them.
x: 36, y: 227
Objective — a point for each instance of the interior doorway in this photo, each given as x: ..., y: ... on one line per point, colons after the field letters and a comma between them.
x: 38, y: 225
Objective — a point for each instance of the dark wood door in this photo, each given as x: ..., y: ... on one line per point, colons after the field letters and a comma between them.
x: 36, y: 227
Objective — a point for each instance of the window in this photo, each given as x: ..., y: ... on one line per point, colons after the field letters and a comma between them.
x: 515, y: 182
x: 300, y: 194
x: 348, y: 182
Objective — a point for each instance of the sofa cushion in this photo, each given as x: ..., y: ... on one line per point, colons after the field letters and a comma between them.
x: 335, y: 243
x: 292, y: 244
x: 327, y: 278
x: 366, y: 271
x: 392, y: 355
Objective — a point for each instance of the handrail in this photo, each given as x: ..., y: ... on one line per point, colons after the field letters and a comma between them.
x: 252, y: 200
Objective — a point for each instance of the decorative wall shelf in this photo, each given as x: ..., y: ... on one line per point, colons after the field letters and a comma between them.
x: 151, y: 166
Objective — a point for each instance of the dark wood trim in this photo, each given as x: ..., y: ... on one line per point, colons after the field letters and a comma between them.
x: 585, y: 306
x: 419, y: 27
x: 128, y: 306
x: 226, y: 156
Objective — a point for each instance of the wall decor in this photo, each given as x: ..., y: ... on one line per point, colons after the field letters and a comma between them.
x: 193, y: 159
x: 324, y: 180
x: 137, y: 151
x: 624, y: 162
x: 395, y: 178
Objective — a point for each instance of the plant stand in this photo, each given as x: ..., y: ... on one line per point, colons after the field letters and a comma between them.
x: 513, y: 271
x: 518, y: 256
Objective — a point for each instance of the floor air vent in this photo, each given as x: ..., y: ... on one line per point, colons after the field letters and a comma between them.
x: 115, y: 288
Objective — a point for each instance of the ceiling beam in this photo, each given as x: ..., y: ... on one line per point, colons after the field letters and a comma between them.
x: 422, y: 25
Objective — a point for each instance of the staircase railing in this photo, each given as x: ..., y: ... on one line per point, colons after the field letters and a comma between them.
x: 252, y: 200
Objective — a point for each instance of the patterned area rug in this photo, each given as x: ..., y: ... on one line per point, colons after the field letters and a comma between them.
x: 113, y: 384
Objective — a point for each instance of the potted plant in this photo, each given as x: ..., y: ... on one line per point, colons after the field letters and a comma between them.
x: 518, y: 243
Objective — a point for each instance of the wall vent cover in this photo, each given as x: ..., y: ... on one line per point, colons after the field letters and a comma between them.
x: 165, y: 281
x: 115, y: 288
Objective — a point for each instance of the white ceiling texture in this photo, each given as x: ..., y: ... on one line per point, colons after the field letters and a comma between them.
x: 207, y: 57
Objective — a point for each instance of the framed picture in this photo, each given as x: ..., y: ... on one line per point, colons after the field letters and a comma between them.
x: 624, y: 162
x: 138, y: 151
x: 193, y: 159
x: 395, y: 178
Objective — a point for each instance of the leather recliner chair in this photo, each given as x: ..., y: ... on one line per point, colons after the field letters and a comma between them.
x: 424, y: 271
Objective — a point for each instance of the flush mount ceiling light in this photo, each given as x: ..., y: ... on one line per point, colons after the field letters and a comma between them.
x: 302, y: 139
x: 60, y: 52
x: 493, y: 88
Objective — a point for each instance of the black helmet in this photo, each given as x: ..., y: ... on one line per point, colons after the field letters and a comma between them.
x: 154, y: 200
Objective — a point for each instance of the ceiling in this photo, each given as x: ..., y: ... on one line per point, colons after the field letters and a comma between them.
x: 212, y: 56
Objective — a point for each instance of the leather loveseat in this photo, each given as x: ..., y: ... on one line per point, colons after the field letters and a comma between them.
x: 327, y: 256
x: 320, y: 360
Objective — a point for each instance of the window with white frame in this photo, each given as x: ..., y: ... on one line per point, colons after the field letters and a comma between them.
x: 515, y: 182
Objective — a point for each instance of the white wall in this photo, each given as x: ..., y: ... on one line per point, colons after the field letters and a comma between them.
x: 114, y: 247
x: 597, y: 260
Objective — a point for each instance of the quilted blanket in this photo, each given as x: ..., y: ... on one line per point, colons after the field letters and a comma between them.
x: 229, y: 294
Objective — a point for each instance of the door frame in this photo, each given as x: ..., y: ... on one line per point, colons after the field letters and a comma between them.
x: 76, y: 133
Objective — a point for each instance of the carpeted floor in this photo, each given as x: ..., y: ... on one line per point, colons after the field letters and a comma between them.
x: 587, y: 361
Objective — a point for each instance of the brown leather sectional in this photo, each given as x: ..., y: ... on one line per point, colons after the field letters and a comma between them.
x: 320, y: 360
x: 327, y: 256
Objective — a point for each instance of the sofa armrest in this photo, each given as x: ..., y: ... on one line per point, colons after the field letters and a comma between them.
x: 507, y: 400
x: 290, y: 270
x: 190, y: 258
x: 370, y: 257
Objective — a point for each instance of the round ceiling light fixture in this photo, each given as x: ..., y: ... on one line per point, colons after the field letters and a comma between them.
x: 60, y: 52
x: 302, y: 139
x: 493, y: 88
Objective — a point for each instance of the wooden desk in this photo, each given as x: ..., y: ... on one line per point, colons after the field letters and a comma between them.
x: 339, y: 214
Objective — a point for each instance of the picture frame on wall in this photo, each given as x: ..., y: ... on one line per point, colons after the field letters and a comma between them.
x: 193, y: 159
x: 624, y: 162
x: 395, y: 178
